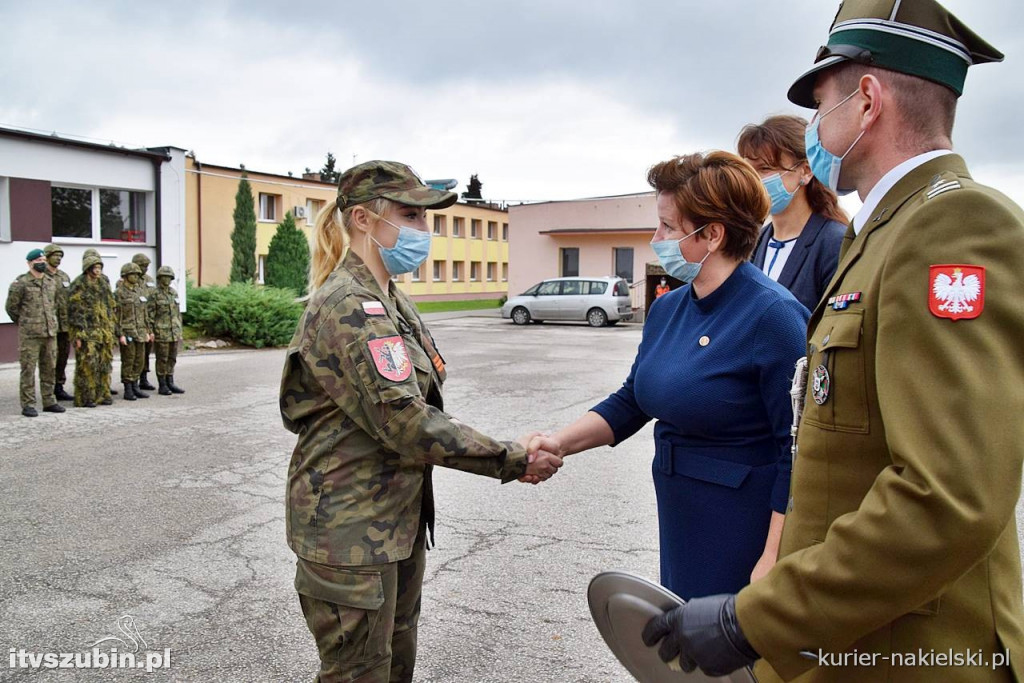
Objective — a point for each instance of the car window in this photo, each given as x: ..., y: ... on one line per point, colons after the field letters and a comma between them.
x: 598, y: 287
x: 574, y: 287
x: 548, y: 288
x: 621, y: 288
x: 532, y: 290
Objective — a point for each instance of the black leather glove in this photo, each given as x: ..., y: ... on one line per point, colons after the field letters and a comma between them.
x: 702, y: 633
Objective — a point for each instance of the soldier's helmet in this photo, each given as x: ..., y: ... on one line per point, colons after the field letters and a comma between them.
x: 90, y: 260
x: 141, y: 260
x: 165, y: 271
x: 52, y: 249
x: 130, y: 269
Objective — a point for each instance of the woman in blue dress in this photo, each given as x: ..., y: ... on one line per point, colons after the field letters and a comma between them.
x: 714, y: 368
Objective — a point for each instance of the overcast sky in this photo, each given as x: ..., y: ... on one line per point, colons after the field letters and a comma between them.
x: 544, y: 99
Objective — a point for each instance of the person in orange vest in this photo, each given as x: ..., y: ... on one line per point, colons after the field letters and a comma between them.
x: 661, y: 289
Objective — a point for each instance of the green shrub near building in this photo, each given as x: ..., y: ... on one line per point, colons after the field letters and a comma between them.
x: 251, y: 315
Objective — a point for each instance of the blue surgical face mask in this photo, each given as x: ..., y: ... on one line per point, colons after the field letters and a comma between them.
x: 780, y: 196
x: 411, y: 249
x: 824, y: 164
x: 671, y: 258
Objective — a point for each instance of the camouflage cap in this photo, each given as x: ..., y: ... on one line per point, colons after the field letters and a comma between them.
x: 920, y: 38
x: 390, y: 180
x: 165, y: 271
x: 91, y: 259
x: 52, y: 249
x: 130, y: 269
x: 141, y: 260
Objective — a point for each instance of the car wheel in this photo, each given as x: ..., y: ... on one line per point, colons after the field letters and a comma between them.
x: 597, y: 318
x: 520, y: 316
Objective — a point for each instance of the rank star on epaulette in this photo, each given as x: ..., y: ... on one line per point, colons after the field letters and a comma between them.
x: 956, y: 291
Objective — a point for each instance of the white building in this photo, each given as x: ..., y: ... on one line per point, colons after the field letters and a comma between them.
x: 80, y: 195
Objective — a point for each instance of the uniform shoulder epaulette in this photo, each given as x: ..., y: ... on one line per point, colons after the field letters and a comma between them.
x: 942, y: 182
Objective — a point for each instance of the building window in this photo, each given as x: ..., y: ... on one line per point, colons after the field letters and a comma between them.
x: 98, y: 214
x: 504, y: 272
x: 438, y: 271
x: 474, y: 228
x: 624, y: 263
x: 417, y: 275
x: 504, y: 232
x: 492, y: 230
x: 492, y: 271
x: 268, y: 206
x: 313, y: 209
x: 440, y: 225
x: 457, y: 271
x: 570, y: 261
x: 5, y: 210
x: 261, y: 268
x: 474, y: 271
x: 457, y: 226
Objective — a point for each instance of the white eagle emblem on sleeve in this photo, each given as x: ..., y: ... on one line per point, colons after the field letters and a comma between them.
x: 956, y: 293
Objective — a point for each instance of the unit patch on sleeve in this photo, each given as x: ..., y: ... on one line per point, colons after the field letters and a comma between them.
x: 390, y: 358
x: 956, y: 291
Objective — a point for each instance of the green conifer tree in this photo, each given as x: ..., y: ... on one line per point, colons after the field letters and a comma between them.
x: 243, y: 237
x: 288, y: 258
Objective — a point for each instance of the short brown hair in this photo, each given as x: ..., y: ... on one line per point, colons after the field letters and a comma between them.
x: 716, y: 187
x: 778, y: 135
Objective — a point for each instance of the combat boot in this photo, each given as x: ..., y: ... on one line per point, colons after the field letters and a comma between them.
x: 175, y: 389
x: 138, y: 390
x: 106, y: 402
x: 60, y: 394
x: 162, y: 380
x: 29, y: 411
x: 55, y: 408
x: 129, y: 392
x: 143, y: 383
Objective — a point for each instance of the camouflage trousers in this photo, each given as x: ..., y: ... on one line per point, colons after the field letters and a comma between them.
x: 93, y: 363
x: 364, y: 619
x: 63, y: 351
x: 166, y: 357
x: 132, y: 355
x: 145, y: 357
x: 38, y: 352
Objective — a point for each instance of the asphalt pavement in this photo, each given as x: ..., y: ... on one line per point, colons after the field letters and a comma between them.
x: 171, y: 511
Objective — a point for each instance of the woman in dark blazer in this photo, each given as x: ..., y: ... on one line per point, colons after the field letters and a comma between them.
x: 714, y: 368
x: 799, y: 249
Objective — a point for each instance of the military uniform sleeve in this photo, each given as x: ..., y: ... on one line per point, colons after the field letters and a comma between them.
x: 337, y: 351
x: 14, y: 296
x: 949, y: 393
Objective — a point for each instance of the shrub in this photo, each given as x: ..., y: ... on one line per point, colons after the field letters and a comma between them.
x: 251, y: 315
x: 288, y: 258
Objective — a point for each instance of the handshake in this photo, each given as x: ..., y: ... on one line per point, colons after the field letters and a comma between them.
x: 544, y: 457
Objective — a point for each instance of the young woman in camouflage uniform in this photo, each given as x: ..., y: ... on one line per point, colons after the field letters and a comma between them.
x: 362, y: 389
x: 133, y: 328
x: 166, y: 316
x: 91, y: 326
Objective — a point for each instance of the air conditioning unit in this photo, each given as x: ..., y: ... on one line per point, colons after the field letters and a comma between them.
x: 299, y: 212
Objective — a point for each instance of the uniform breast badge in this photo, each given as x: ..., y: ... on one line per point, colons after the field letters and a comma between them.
x: 391, y: 358
x: 956, y: 291
x: 820, y: 384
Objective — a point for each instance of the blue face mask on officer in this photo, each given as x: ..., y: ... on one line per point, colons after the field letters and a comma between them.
x: 671, y: 257
x: 411, y: 249
x: 824, y: 164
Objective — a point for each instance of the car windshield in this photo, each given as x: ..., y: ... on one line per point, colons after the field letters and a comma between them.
x: 531, y: 290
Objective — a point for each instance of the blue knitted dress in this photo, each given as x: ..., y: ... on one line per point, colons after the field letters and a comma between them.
x: 715, y: 373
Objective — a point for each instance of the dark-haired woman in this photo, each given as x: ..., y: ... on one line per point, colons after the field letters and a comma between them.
x: 799, y: 249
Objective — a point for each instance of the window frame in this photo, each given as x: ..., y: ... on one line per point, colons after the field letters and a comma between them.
x: 95, y: 215
x: 260, y: 215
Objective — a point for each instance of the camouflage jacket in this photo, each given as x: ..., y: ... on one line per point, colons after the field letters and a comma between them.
x: 132, y: 318
x: 362, y: 388
x: 63, y: 281
x: 91, y: 310
x: 32, y: 304
x: 165, y: 313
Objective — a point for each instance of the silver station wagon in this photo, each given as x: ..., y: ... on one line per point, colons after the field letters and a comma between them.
x: 598, y: 300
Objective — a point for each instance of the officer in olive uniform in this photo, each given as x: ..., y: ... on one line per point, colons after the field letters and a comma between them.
x: 54, y: 254
x: 91, y: 327
x: 901, y: 538
x: 362, y: 389
x: 165, y: 313
x: 32, y: 305
x: 142, y: 261
x: 133, y: 328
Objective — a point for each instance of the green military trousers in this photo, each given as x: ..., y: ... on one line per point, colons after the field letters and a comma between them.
x: 63, y: 351
x: 364, y: 618
x: 166, y: 357
x: 131, y: 360
x: 36, y: 352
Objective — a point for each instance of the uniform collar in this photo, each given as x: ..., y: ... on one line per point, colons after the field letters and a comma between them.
x: 887, y: 182
x: 358, y: 269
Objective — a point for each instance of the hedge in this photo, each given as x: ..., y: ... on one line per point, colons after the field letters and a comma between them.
x: 251, y: 315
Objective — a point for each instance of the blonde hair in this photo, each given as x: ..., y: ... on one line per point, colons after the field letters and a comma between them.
x: 331, y: 238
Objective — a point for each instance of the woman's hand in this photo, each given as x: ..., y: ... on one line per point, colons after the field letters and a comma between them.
x: 764, y: 565
x: 544, y: 457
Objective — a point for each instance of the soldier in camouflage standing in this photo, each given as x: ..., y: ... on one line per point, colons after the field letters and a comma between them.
x: 362, y: 389
x: 132, y: 328
x: 32, y: 305
x: 166, y: 316
x: 54, y: 254
x: 91, y: 327
x: 142, y: 261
